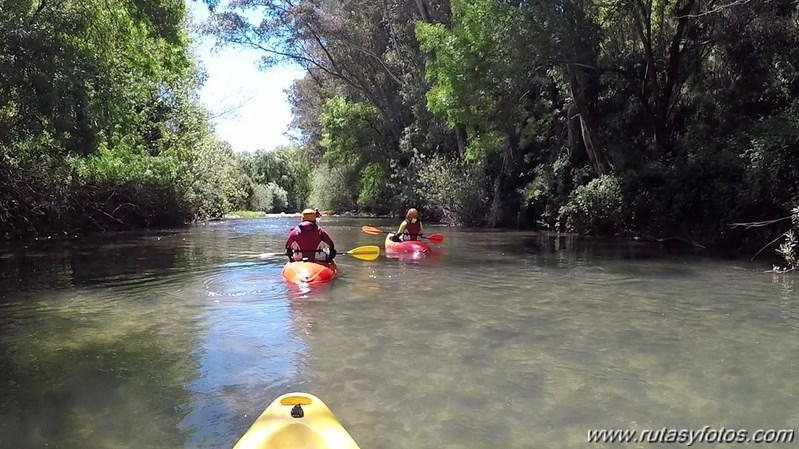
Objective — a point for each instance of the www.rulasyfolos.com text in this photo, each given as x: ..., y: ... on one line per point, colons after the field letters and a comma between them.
x: 689, y: 437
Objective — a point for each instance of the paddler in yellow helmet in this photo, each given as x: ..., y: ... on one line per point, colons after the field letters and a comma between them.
x: 304, y: 241
x: 410, y: 228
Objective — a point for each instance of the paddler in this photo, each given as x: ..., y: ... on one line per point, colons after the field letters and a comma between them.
x: 308, y: 239
x: 410, y: 228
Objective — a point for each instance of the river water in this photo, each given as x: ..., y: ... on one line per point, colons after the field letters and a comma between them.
x: 501, y: 339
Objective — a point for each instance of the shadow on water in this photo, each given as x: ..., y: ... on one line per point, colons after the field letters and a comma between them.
x: 499, y: 338
x: 80, y: 372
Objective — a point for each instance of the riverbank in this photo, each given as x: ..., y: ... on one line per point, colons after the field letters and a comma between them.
x: 248, y: 214
x: 748, y: 250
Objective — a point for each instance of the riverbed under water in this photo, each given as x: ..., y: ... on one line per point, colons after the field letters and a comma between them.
x: 501, y: 339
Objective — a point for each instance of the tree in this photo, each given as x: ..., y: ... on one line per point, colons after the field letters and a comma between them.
x: 483, y: 70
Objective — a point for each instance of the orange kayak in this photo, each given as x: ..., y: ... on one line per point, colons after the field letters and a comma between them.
x: 407, y: 246
x: 301, y: 272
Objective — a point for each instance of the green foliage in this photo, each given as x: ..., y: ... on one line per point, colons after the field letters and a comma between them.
x: 552, y: 185
x: 284, y: 177
x: 485, y: 147
x: 374, y: 194
x: 100, y: 128
x: 83, y: 71
x: 194, y: 177
x: 478, y: 64
x: 125, y: 165
x: 268, y: 197
x: 210, y: 186
x: 744, y: 177
x: 260, y: 198
x: 771, y: 157
x: 454, y: 190
x: 405, y: 186
x: 787, y: 250
x: 594, y: 207
x: 349, y: 130
x: 335, y: 187
x: 545, y: 97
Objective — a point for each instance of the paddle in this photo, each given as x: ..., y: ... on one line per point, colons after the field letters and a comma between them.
x: 369, y: 252
x: 434, y: 238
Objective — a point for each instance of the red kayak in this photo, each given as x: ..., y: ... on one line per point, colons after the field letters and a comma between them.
x: 407, y: 246
x: 301, y: 272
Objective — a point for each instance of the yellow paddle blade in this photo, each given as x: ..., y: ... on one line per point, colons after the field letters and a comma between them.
x: 370, y: 252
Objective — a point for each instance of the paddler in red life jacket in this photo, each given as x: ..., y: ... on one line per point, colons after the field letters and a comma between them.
x: 303, y: 242
x: 411, y: 227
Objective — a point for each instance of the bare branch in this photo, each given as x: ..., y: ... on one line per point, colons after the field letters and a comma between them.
x: 112, y: 217
x: 758, y: 224
x: 230, y: 110
x: 767, y: 245
x: 712, y: 11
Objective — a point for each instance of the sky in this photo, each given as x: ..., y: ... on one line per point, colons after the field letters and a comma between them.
x: 233, y: 79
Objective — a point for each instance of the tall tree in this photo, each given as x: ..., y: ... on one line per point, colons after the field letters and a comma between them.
x: 483, y: 70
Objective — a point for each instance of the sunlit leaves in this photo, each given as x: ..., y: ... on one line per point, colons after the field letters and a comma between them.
x: 279, y: 178
x: 348, y: 128
x: 100, y: 95
x: 478, y: 65
x: 78, y: 70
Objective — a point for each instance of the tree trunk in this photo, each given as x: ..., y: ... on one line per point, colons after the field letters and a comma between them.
x: 505, y: 201
x: 583, y: 94
x: 664, y: 72
x: 423, y: 10
x: 460, y: 136
x: 574, y: 131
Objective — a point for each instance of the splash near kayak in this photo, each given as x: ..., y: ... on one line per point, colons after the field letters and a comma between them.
x: 296, y: 421
x: 408, y: 246
x: 301, y: 272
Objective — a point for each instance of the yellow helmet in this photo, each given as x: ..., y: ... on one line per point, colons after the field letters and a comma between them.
x: 308, y: 215
x: 412, y: 213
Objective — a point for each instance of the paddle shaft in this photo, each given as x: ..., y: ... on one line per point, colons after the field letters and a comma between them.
x: 370, y: 252
x: 434, y: 238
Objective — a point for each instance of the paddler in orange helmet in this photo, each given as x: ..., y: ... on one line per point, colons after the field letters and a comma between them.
x: 304, y: 241
x: 411, y: 227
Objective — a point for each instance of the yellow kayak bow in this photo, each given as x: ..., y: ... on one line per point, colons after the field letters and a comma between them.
x: 296, y: 421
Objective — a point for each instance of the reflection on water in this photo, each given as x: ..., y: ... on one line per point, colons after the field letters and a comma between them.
x: 179, y: 339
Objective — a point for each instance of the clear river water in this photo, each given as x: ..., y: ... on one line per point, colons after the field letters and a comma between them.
x: 500, y: 339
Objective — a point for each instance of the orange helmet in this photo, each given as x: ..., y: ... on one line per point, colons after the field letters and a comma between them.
x: 412, y: 213
x: 308, y: 215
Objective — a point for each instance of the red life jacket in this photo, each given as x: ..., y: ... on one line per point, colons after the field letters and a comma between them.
x: 412, y: 229
x: 308, y: 237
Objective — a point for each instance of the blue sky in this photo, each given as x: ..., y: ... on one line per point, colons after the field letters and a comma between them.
x: 233, y: 79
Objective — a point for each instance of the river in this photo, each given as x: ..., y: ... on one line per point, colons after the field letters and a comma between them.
x: 502, y: 339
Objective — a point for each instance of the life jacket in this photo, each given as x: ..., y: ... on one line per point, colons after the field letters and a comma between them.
x: 308, y: 237
x: 412, y: 229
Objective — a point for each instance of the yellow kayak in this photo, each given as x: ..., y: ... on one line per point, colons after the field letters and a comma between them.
x: 296, y: 421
